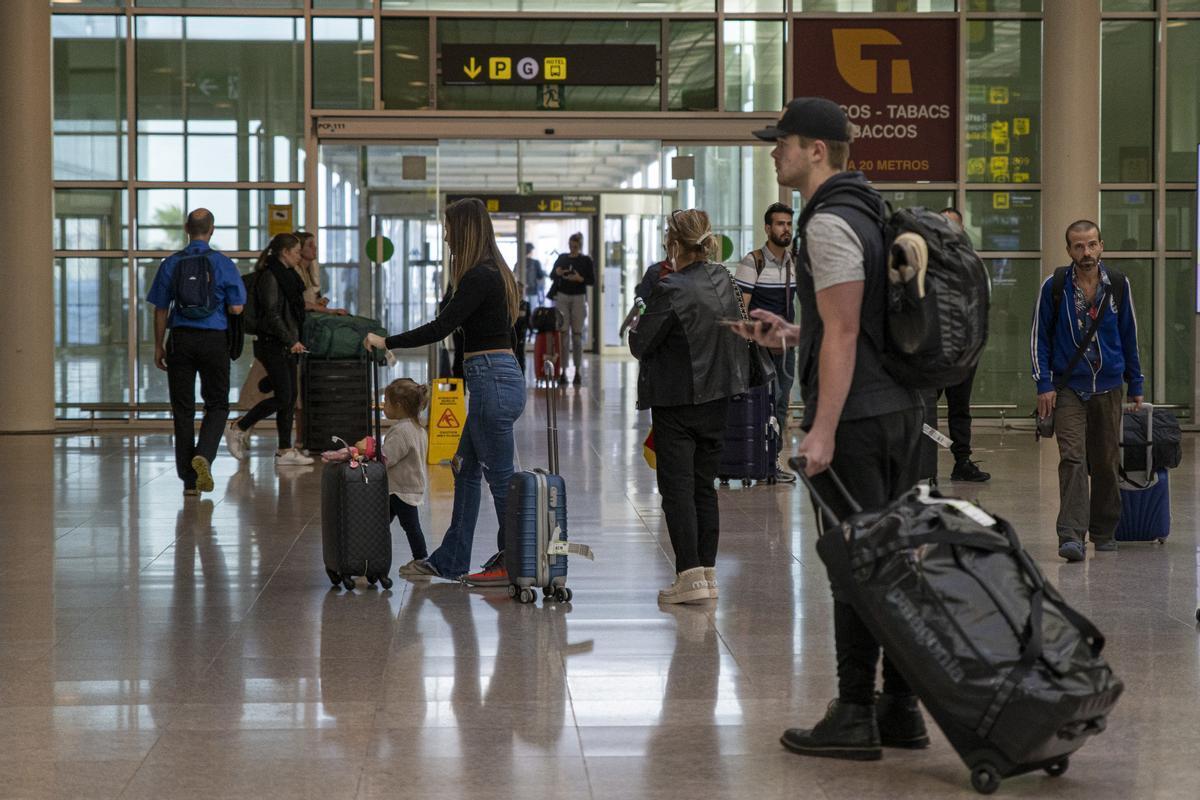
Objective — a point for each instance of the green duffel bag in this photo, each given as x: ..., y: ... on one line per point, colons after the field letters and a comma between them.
x: 335, y: 336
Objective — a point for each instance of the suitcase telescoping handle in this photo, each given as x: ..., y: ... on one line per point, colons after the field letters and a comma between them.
x: 551, y: 417
x: 376, y: 408
x: 798, y: 463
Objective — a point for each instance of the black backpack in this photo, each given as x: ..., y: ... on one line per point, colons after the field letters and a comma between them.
x: 935, y: 340
x: 250, y: 309
x: 545, y: 319
x: 194, y: 286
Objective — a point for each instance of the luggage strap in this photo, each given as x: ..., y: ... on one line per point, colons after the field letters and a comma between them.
x: 1030, y: 653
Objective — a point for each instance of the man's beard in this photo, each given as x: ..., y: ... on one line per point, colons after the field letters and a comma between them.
x: 781, y: 241
x: 1087, y: 263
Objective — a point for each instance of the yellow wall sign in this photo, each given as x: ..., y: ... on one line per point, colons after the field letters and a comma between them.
x: 279, y: 219
x: 447, y: 416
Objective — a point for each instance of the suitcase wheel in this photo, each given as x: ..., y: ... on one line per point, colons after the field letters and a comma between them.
x: 348, y: 582
x: 985, y: 779
x: 371, y: 579
x: 526, y: 595
x: 385, y: 582
x: 563, y: 595
x: 334, y: 577
x: 1058, y: 767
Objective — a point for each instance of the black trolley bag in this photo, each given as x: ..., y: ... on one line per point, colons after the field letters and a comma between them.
x: 356, y: 534
x: 535, y: 523
x: 1011, y: 673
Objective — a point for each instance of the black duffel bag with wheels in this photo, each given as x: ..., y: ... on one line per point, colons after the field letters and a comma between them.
x: 1168, y: 440
x: 1011, y: 673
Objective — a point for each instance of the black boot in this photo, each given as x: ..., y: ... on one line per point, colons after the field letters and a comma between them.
x: 900, y: 722
x: 967, y: 470
x: 847, y: 731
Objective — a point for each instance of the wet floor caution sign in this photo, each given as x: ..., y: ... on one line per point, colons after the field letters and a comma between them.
x: 447, y: 416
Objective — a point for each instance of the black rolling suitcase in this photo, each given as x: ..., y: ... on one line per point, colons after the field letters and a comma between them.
x: 356, y: 534
x: 752, y: 437
x: 535, y: 523
x: 1011, y: 673
x: 337, y: 401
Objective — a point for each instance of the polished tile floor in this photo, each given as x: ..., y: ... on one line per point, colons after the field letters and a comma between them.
x: 162, y: 648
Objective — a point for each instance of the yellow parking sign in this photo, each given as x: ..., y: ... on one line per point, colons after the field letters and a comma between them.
x: 500, y: 68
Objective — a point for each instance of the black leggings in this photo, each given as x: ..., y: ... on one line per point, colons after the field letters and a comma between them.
x: 410, y: 521
x: 281, y: 371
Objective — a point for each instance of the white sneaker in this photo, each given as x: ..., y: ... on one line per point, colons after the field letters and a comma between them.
x: 235, y: 441
x: 689, y: 587
x: 292, y: 458
x: 710, y: 575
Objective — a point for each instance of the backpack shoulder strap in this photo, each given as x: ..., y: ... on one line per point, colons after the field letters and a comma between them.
x: 759, y: 263
x: 1119, y: 284
x: 1058, y: 285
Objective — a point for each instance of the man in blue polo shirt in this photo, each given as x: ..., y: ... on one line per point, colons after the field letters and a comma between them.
x: 192, y: 293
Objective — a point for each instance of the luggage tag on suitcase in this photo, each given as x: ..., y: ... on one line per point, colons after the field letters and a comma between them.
x: 939, y: 437
x: 968, y: 510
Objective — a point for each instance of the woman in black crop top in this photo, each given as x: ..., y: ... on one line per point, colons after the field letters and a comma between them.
x: 483, y: 304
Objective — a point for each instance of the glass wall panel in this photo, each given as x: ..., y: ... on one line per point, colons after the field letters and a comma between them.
x: 91, y: 219
x: 550, y: 31
x: 1183, y: 5
x: 91, y: 310
x: 220, y: 98
x: 1127, y: 5
x: 1127, y: 101
x: 1183, y: 98
x: 1181, y: 221
x: 1179, y: 337
x: 754, y: 61
x: 1004, y: 370
x: 251, y: 5
x: 352, y: 4
x: 405, y: 63
x: 87, y: 3
x: 1140, y: 272
x: 343, y: 62
x: 1003, y: 123
x: 692, y: 83
x: 1127, y: 220
x: 605, y: 6
x: 753, y: 6
x: 1004, y: 220
x: 89, y: 97
x: 733, y: 184
x: 1003, y: 5
x: 862, y: 6
x: 240, y: 215
x: 934, y: 200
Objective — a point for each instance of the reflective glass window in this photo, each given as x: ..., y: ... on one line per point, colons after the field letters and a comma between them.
x: 240, y: 215
x: 692, y: 82
x: 91, y: 219
x: 754, y: 60
x: 736, y: 214
x: 89, y: 97
x: 220, y: 98
x: 579, y: 6
x: 1004, y: 220
x: 1004, y: 368
x: 1127, y: 5
x: 864, y: 6
x: 934, y: 200
x: 1127, y: 101
x: 91, y: 311
x: 1179, y: 331
x: 351, y: 4
x: 1127, y: 220
x: 343, y: 62
x: 1003, y: 5
x: 1183, y: 98
x: 1140, y: 272
x: 1180, y: 221
x: 250, y: 5
x: 405, y: 63
x: 753, y: 6
x: 1004, y: 79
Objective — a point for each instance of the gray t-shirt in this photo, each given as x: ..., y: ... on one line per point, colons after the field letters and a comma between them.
x: 835, y: 255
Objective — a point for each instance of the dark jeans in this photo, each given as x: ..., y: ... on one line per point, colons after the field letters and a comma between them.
x: 877, y: 460
x: 192, y: 351
x: 688, y: 441
x: 785, y: 376
x: 410, y: 521
x: 281, y: 371
x: 1089, y: 446
x: 958, y: 417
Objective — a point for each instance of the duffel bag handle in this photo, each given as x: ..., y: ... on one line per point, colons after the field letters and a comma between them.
x: 798, y: 464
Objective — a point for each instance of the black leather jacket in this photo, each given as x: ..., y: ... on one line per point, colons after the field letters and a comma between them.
x: 278, y: 317
x: 686, y: 357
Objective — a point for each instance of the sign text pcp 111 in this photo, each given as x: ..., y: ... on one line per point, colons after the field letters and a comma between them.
x: 897, y: 79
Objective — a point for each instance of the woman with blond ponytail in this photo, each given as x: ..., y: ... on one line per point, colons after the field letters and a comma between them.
x: 483, y: 303
x: 689, y: 368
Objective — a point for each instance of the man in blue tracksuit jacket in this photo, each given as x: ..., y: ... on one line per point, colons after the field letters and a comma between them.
x: 1086, y: 403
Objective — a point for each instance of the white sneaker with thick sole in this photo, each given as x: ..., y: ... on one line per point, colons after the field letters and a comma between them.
x: 689, y: 587
x: 292, y: 458
x: 710, y: 575
x: 235, y: 441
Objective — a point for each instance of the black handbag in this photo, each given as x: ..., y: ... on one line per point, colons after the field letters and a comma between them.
x: 762, y: 368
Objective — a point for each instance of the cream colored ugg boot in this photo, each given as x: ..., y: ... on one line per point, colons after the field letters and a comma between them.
x: 689, y: 587
x: 710, y: 575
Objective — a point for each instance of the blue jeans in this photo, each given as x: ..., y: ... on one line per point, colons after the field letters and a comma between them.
x: 496, y: 398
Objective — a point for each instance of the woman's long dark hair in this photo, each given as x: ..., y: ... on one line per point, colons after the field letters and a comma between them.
x: 471, y: 239
x: 281, y: 242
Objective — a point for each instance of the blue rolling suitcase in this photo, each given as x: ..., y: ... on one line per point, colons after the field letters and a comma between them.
x: 751, y: 451
x: 535, y: 523
x: 1145, y: 494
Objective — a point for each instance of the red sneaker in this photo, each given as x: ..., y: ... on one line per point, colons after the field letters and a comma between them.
x: 494, y: 575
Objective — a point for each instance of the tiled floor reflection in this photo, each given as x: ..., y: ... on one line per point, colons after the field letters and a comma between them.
x: 152, y: 647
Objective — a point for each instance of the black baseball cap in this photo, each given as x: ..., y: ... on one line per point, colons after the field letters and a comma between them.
x: 811, y: 117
